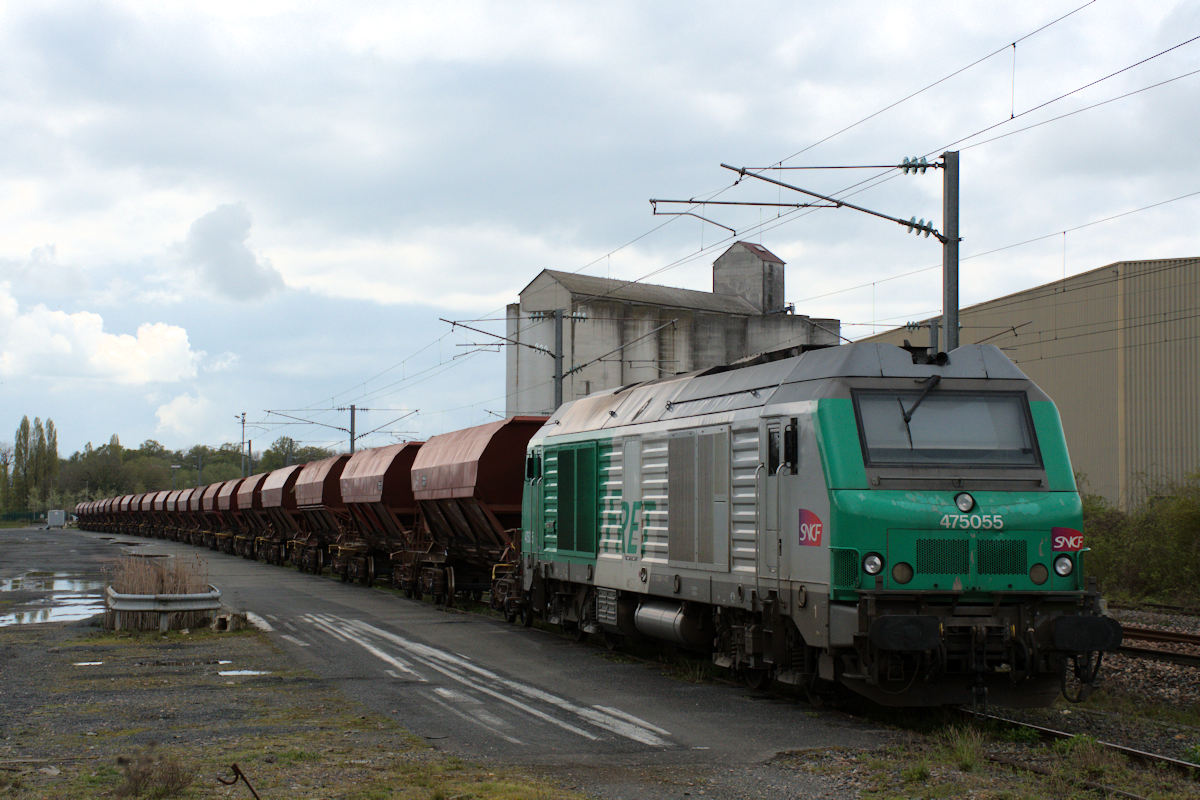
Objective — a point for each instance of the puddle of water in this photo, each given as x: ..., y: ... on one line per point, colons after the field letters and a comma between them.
x: 70, y: 598
x: 228, y: 672
x: 50, y: 582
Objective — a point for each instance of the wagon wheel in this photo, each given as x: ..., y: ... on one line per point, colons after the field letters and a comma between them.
x: 449, y: 599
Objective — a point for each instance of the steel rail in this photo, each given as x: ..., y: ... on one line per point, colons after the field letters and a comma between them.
x: 1170, y: 656
x: 1159, y: 635
x: 1185, y: 767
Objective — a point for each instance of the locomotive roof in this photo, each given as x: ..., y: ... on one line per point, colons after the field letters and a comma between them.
x: 723, y: 389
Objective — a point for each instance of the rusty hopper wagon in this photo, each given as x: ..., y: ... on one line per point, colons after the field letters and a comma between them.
x: 210, y: 518
x: 158, y: 514
x: 467, y: 485
x: 231, y: 520
x: 254, y: 520
x: 378, y: 494
x: 196, y: 520
x: 322, y: 512
x: 279, y: 504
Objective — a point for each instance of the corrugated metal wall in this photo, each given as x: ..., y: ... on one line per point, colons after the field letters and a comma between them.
x: 1118, y: 349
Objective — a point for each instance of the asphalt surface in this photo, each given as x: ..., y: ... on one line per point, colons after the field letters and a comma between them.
x: 478, y: 687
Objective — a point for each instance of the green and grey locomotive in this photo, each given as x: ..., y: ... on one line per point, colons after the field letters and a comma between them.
x: 908, y: 527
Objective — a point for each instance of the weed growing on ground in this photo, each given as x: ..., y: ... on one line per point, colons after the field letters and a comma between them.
x: 153, y: 773
x: 965, y: 744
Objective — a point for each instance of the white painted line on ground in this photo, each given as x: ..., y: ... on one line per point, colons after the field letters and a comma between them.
x: 455, y: 695
x: 399, y: 664
x: 612, y: 724
x: 258, y: 622
x: 616, y: 712
x: 294, y: 640
x: 475, y: 720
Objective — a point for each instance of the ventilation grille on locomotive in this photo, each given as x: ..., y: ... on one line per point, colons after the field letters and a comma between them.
x: 943, y: 556
x: 1006, y: 557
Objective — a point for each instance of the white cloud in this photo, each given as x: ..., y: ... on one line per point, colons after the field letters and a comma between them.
x: 185, y: 415
x: 45, y: 343
x: 216, y: 244
x: 221, y: 363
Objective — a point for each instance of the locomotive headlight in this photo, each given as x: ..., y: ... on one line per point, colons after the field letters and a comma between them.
x: 872, y: 563
x: 964, y: 501
x: 1063, y: 566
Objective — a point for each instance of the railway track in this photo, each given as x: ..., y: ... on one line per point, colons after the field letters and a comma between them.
x: 1157, y: 636
x: 1185, y: 768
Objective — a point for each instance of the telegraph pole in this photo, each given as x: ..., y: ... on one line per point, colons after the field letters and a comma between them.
x: 352, y: 429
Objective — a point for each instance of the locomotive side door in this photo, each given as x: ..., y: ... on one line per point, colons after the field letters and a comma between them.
x: 532, y: 516
x: 769, y: 543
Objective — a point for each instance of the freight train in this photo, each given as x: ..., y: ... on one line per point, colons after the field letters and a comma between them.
x: 904, y: 525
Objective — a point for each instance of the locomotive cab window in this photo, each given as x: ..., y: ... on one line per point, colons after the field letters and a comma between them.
x: 533, y: 467
x: 946, y: 428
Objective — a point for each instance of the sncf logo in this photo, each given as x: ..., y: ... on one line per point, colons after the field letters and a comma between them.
x: 1066, y: 540
x: 811, y: 529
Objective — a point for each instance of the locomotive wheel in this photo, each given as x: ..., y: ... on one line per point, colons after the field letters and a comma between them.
x: 526, y: 617
x: 757, y: 679
x: 510, y: 613
x: 368, y: 574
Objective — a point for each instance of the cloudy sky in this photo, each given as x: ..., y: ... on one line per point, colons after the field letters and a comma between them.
x: 211, y: 208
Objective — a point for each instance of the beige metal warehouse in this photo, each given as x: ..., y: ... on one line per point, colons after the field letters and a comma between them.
x: 1118, y: 349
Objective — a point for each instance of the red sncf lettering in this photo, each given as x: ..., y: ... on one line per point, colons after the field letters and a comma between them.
x: 1066, y: 540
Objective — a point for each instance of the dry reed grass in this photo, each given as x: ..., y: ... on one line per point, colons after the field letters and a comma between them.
x: 143, y: 574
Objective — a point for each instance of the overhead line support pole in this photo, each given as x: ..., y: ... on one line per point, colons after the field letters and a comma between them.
x: 558, y: 357
x: 950, y: 249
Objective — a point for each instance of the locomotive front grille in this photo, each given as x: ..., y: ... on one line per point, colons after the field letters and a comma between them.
x: 943, y: 556
x: 1002, y: 557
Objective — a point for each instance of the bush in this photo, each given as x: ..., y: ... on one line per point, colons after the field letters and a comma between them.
x: 154, y: 774
x: 1151, y: 552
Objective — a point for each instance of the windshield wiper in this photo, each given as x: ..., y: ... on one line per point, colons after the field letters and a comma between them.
x: 930, y: 382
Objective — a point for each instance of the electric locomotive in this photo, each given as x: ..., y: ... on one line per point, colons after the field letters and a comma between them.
x: 907, y: 526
